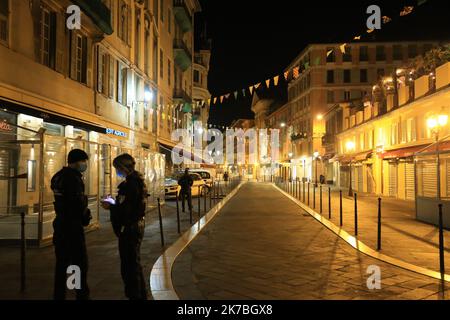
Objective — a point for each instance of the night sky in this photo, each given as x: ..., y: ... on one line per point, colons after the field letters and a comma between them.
x: 256, y: 40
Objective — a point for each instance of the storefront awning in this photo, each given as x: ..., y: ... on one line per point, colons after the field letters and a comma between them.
x: 362, y: 156
x: 401, y: 153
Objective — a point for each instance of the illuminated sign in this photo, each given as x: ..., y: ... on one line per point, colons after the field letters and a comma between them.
x: 5, y: 126
x: 116, y: 133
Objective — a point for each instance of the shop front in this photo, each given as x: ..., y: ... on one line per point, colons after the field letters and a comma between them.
x: 34, y: 145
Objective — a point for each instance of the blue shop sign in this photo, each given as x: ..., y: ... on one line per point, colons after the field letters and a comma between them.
x: 116, y: 132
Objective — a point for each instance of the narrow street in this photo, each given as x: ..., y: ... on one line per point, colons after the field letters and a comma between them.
x: 262, y: 246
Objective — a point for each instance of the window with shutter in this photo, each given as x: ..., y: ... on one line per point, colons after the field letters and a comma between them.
x: 111, y: 74
x: 48, y: 38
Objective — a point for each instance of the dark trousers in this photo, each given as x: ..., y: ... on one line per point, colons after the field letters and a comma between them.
x: 130, y: 261
x: 70, y: 249
x: 186, y: 195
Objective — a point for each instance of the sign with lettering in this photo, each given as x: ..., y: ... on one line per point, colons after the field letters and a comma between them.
x: 116, y: 133
x: 5, y: 126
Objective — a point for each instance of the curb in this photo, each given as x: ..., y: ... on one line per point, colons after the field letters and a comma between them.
x: 160, y: 280
x: 361, y: 247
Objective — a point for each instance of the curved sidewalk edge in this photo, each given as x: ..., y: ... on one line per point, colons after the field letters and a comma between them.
x: 161, y: 276
x: 361, y: 247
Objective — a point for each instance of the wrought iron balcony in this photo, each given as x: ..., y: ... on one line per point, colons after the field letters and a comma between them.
x: 183, y: 55
x: 182, y: 15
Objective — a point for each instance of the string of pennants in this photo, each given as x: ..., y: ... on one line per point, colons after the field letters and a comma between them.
x: 293, y: 73
x: 296, y: 71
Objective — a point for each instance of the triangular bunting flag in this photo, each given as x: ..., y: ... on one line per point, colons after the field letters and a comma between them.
x: 251, y: 90
x: 329, y: 52
x: 296, y: 72
x: 386, y: 19
x: 221, y: 99
x: 227, y: 96
x: 357, y: 38
x: 257, y: 85
x: 244, y: 92
x: 215, y: 100
x: 306, y: 65
x: 406, y: 10
x: 342, y: 48
x: 275, y: 80
x: 370, y: 30
x: 235, y: 95
x: 268, y: 83
x: 286, y: 75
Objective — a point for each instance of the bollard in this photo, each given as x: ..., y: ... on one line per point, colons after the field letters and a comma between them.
x: 210, y: 198
x: 304, y: 192
x: 204, y: 200
x: 320, y: 199
x: 178, y: 215
x: 441, y: 244
x: 329, y: 203
x: 308, y: 192
x: 356, y: 214
x: 341, y: 223
x: 160, y: 223
x: 314, y: 196
x: 23, y: 254
x: 199, y: 202
x: 379, y: 225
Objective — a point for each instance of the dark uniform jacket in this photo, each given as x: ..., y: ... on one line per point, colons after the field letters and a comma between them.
x: 185, y: 183
x: 130, y: 203
x: 71, y: 204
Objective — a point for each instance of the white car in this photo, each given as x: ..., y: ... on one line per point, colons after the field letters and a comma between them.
x: 172, y: 188
x: 205, y: 174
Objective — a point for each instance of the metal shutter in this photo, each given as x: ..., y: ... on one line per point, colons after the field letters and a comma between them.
x: 393, y: 180
x: 429, y: 179
x: 409, y: 181
x: 360, y: 179
x: 4, y: 173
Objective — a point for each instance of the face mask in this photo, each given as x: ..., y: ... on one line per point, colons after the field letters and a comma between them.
x: 120, y: 174
x: 82, y: 167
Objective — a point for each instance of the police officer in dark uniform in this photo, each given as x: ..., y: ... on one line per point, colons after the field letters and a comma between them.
x: 72, y: 215
x: 128, y: 221
x: 186, y: 182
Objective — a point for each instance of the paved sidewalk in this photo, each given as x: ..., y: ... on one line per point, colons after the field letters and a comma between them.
x: 104, y: 265
x: 262, y: 246
x: 403, y: 237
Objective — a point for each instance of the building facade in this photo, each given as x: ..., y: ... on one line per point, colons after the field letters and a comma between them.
x: 107, y: 88
x: 329, y: 74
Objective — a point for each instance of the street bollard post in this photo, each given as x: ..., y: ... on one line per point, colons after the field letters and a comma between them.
x: 199, y: 201
x: 304, y: 192
x: 161, y: 230
x: 210, y: 198
x: 441, y: 243
x: 320, y: 199
x: 309, y: 187
x: 314, y: 196
x: 329, y: 202
x: 204, y: 199
x: 23, y: 248
x: 341, y: 222
x: 356, y: 214
x: 379, y: 225
x: 178, y: 214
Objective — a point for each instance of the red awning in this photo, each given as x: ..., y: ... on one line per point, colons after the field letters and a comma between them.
x: 401, y: 153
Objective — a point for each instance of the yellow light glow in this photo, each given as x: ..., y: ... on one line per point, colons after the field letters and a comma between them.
x: 320, y: 117
x: 432, y: 123
x: 316, y: 154
x: 442, y: 120
x: 350, y: 145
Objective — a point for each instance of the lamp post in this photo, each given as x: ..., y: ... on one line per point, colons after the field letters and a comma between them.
x: 350, y: 146
x: 435, y: 124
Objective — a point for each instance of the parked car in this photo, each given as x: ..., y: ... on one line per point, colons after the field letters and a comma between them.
x: 172, y: 188
x: 205, y: 174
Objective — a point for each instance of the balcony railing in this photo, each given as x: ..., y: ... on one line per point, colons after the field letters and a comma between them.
x: 183, y: 55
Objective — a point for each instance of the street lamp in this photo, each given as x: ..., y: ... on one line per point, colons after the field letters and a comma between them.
x: 316, y: 157
x: 350, y: 146
x: 435, y: 124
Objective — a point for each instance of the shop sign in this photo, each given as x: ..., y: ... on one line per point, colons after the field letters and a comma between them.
x: 116, y: 133
x: 4, y: 126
